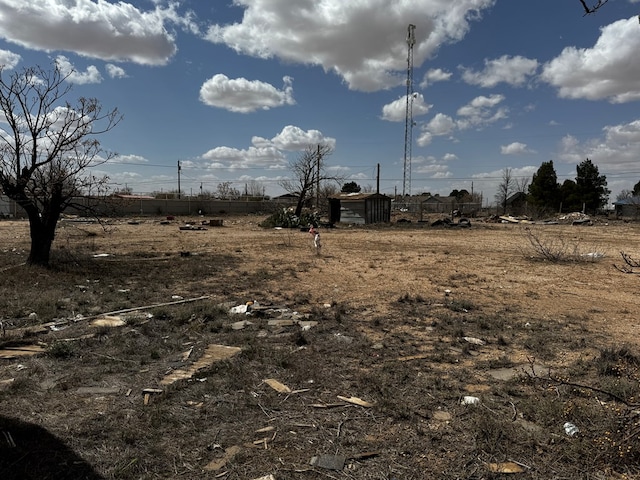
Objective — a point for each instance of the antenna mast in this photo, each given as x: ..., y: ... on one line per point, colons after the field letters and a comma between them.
x: 408, y: 123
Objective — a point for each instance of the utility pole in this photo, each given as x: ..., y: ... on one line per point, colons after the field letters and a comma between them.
x: 378, y: 180
x: 179, y: 168
x: 319, y: 157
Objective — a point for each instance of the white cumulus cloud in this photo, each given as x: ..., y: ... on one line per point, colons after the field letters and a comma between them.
x: 481, y: 111
x: 238, y: 159
x: 244, y: 96
x: 617, y: 150
x: 364, y: 42
x: 515, y: 148
x: 9, y: 59
x: 92, y: 28
x: 435, y: 75
x: 513, y: 71
x: 90, y: 75
x: 293, y: 138
x: 114, y: 71
x: 603, y: 71
x: 396, y: 110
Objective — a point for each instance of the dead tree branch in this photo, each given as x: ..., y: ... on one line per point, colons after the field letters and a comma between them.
x: 558, y: 381
x: 631, y: 266
x: 589, y: 10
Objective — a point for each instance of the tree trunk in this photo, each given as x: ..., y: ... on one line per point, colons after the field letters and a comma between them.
x: 42, y: 235
x: 301, y: 199
x: 298, y: 211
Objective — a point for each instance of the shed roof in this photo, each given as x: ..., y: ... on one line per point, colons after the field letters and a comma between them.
x: 439, y: 199
x: 134, y: 197
x: 358, y: 196
x: 628, y: 201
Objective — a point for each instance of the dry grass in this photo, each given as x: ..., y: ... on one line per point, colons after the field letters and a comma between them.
x: 409, y: 319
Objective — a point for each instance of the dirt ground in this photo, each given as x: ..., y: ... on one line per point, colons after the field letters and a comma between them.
x: 400, y: 351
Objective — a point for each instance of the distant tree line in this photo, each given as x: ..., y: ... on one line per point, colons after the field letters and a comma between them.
x: 587, y: 193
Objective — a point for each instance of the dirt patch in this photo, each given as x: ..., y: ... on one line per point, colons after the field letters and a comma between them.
x: 375, y: 346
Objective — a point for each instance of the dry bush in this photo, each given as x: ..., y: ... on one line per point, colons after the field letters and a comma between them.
x: 558, y: 248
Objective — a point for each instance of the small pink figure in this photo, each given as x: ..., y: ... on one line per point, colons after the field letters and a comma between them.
x: 313, y: 231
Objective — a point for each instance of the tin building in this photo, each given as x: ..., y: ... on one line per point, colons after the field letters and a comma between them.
x: 360, y: 208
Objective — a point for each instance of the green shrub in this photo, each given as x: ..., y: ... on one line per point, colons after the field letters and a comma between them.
x: 286, y: 218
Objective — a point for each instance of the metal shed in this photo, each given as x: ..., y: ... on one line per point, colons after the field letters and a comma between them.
x: 628, y: 207
x: 360, y: 208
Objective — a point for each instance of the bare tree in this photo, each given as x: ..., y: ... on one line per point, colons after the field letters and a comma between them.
x: 254, y: 188
x: 226, y: 191
x: 522, y: 184
x: 47, y: 146
x: 308, y: 172
x: 505, y: 188
x: 592, y: 9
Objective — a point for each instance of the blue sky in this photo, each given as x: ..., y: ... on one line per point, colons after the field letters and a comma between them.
x: 235, y: 89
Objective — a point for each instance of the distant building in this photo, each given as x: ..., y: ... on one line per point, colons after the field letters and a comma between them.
x: 438, y: 204
x: 447, y: 205
x: 517, y: 203
x: 7, y: 207
x: 287, y: 199
x: 628, y: 207
x: 359, y: 208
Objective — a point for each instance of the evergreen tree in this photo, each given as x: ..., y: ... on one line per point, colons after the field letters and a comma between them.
x: 636, y: 190
x: 544, y: 191
x: 569, y: 197
x: 351, y: 187
x: 591, y: 186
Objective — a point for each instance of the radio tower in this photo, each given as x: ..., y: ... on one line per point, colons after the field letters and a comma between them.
x: 408, y: 122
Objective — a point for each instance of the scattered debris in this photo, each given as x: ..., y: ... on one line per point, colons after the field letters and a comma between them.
x: 364, y: 455
x: 9, y: 353
x: 6, y: 383
x: 327, y: 405
x: 6, y: 435
x: 266, y: 477
x: 356, y: 401
x: 511, y: 219
x: 470, y: 400
x: 147, y: 392
x: 307, y: 325
x: 277, y: 386
x: 245, y: 308
x: 240, y: 325
x: 229, y: 455
x: 187, y: 354
x: 593, y: 255
x: 474, y: 341
x: 108, y: 321
x: 343, y: 338
x: 266, y: 429
x: 188, y: 226
x: 505, y: 467
x: 442, y: 416
x: 328, y: 462
x: 281, y: 322
x: 213, y: 353
x: 570, y: 429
